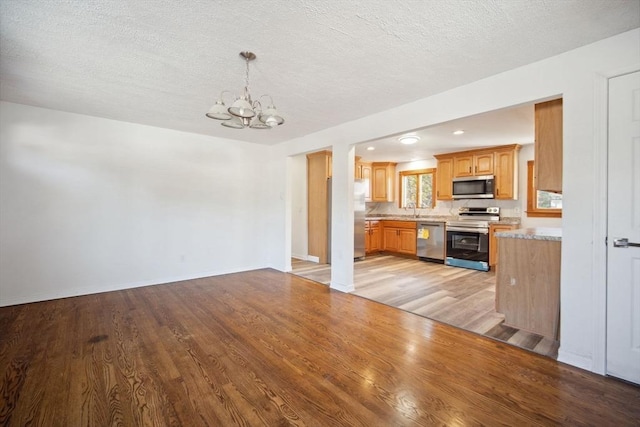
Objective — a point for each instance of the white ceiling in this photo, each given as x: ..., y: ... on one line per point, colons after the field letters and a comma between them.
x: 507, y: 126
x: 163, y: 63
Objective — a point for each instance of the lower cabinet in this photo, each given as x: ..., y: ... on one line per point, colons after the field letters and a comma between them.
x: 399, y: 237
x: 372, y: 237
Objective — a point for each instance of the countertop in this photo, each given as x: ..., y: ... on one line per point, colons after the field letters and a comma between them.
x: 534, y: 233
x: 435, y: 218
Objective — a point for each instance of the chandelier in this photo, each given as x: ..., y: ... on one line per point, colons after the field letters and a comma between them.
x: 244, y: 112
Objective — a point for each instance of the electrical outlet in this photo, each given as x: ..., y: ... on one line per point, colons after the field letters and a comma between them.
x: 512, y: 281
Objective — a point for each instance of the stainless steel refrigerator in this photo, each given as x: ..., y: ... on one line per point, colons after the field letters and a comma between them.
x: 359, y: 210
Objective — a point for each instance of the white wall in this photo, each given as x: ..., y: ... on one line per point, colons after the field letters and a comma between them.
x: 577, y: 76
x: 90, y: 205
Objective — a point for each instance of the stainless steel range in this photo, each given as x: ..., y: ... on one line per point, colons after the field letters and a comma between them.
x: 468, y: 238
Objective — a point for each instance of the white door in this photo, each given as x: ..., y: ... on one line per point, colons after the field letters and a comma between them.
x: 623, y: 259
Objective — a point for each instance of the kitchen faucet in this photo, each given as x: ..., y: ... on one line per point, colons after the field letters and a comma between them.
x: 414, y: 206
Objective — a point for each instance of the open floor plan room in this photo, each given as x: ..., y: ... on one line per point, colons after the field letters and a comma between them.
x: 270, y: 348
x: 457, y: 296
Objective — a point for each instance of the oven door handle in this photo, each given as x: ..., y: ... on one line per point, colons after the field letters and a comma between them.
x: 469, y: 230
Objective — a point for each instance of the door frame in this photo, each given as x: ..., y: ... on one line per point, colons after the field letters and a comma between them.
x: 599, y: 228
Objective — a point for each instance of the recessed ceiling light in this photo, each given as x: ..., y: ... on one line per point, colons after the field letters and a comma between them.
x: 458, y: 132
x: 371, y: 148
x: 409, y: 139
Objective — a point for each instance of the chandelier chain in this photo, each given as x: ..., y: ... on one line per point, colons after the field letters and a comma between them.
x: 247, y: 93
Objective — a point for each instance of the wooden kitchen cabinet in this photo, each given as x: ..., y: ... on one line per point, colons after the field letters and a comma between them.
x: 318, y: 171
x: 506, y: 173
x: 477, y: 164
x: 363, y: 171
x: 372, y: 237
x: 500, y: 161
x: 399, y: 237
x: 493, y: 241
x: 548, y: 146
x: 444, y: 177
x: 383, y: 177
x: 528, y: 285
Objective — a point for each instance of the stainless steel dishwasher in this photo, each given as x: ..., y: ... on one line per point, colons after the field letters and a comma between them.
x: 431, y: 241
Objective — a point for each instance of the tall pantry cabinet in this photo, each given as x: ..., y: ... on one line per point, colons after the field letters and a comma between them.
x: 318, y: 171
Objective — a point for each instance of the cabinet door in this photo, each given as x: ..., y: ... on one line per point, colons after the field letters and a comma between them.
x: 383, y: 177
x: 483, y: 164
x: 407, y: 241
x: 390, y: 239
x: 505, y: 175
x: 365, y: 174
x: 444, y: 176
x: 548, y: 146
x: 374, y: 237
x: 379, y: 184
x: 462, y: 166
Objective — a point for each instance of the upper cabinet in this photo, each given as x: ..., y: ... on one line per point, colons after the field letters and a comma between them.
x: 501, y: 161
x: 444, y: 177
x: 363, y: 171
x: 473, y: 164
x: 383, y: 178
x: 506, y: 176
x: 548, y: 146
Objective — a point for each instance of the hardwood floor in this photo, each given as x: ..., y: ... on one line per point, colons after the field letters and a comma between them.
x: 457, y: 296
x: 270, y: 348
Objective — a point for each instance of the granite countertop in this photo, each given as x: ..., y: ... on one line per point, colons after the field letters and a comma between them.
x: 425, y: 218
x: 534, y: 233
x: 435, y: 218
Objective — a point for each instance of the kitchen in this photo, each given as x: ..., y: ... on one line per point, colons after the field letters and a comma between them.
x: 504, y: 131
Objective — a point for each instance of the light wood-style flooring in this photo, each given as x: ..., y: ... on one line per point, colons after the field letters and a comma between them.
x: 457, y: 296
x: 266, y: 348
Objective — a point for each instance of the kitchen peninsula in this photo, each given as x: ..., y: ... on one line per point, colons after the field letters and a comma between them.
x: 528, y: 279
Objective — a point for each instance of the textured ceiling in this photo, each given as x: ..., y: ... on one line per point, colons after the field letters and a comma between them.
x: 163, y: 62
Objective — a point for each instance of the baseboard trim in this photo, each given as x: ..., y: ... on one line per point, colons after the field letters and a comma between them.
x: 342, y: 288
x: 582, y: 362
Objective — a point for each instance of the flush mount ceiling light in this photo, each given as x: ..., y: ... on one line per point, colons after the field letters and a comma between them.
x: 409, y: 139
x: 458, y: 132
x: 245, y: 112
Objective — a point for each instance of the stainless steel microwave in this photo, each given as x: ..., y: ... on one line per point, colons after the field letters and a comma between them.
x: 473, y: 187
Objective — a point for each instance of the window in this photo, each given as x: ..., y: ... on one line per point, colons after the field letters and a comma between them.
x: 416, y: 188
x: 541, y: 203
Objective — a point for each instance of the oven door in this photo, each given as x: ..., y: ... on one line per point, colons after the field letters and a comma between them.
x: 468, y: 247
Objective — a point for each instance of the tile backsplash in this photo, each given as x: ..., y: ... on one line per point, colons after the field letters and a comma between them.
x: 508, y: 208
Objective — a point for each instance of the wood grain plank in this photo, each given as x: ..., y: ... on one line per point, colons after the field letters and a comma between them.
x: 270, y: 348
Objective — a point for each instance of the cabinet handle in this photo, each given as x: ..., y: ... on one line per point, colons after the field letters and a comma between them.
x: 476, y: 170
x: 469, y: 169
x: 497, y: 191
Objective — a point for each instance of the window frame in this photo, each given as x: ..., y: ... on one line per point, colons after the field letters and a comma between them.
x: 417, y: 173
x: 532, y: 197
